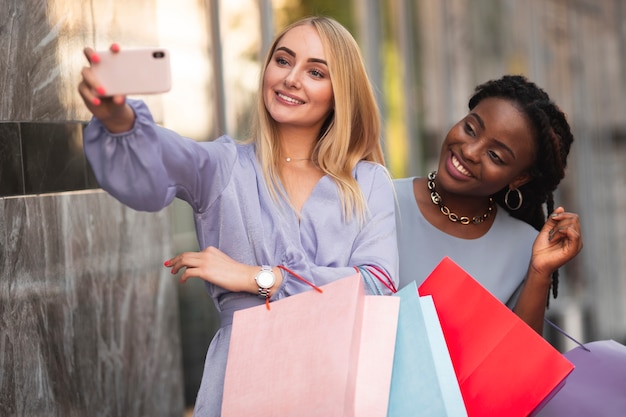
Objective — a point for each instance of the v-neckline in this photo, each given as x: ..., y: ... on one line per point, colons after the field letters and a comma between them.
x: 298, y: 213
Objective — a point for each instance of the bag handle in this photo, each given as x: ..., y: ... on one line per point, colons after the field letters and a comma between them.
x: 564, y: 333
x: 366, y: 271
x: 370, y: 271
x: 284, y: 268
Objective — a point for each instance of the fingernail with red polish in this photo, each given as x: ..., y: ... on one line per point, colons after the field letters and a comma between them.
x: 166, y: 263
x: 115, y: 47
x: 95, y: 58
x: 101, y: 90
x: 96, y: 101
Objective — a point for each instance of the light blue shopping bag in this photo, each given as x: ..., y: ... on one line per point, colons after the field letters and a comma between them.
x: 423, y: 381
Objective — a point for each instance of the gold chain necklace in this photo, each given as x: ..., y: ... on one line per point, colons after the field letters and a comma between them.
x: 436, y: 199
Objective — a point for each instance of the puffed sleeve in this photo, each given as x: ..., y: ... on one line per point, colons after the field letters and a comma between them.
x: 148, y: 166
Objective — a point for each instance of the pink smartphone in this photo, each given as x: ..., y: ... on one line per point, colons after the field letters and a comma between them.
x: 134, y: 71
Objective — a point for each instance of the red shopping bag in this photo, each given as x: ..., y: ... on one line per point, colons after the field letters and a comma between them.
x: 504, y: 367
x: 328, y: 354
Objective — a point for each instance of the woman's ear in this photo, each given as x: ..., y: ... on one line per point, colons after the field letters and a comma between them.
x: 520, y: 180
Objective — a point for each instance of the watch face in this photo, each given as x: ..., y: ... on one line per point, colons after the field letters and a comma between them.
x: 265, y: 279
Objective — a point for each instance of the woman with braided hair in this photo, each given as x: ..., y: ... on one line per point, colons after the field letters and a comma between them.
x: 483, y: 206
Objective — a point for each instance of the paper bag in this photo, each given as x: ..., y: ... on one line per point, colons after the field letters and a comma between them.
x: 313, y: 354
x: 596, y: 387
x: 423, y: 382
x: 504, y: 368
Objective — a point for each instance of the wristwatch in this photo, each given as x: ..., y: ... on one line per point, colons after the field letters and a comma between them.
x: 265, y: 279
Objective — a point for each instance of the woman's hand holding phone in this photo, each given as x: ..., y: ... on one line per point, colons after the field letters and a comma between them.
x: 111, y: 110
x: 115, y: 73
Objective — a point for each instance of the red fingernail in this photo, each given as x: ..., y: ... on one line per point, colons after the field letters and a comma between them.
x: 95, y: 58
x: 166, y: 263
x: 101, y: 90
x: 115, y: 47
x: 96, y: 101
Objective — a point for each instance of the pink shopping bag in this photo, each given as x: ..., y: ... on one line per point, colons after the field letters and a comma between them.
x: 325, y: 354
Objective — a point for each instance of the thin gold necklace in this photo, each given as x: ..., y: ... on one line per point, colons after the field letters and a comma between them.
x: 288, y: 159
x: 436, y: 199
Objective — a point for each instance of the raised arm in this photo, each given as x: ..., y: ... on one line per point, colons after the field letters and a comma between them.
x: 558, y: 242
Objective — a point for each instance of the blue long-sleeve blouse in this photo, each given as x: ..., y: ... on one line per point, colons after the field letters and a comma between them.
x: 148, y: 166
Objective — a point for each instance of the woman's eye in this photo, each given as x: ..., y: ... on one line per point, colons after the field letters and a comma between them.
x: 469, y: 130
x: 493, y: 155
x: 317, y: 73
x: 281, y: 61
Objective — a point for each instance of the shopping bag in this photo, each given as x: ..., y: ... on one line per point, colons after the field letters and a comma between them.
x: 596, y: 387
x: 423, y: 382
x: 504, y: 368
x: 313, y: 354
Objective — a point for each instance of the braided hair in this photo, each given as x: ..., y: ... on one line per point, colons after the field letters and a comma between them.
x: 553, y: 140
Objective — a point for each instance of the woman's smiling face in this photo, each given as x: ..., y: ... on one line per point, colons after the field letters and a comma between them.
x: 491, y: 147
x: 297, y: 90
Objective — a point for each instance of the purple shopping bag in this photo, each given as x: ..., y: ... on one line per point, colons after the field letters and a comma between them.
x: 597, y: 385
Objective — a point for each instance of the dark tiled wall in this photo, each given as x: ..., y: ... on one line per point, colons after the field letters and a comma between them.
x: 11, y: 166
x: 40, y: 158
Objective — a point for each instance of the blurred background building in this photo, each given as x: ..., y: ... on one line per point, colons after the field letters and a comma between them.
x: 90, y: 321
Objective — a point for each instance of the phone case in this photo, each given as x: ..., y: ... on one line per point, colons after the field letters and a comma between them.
x: 134, y: 71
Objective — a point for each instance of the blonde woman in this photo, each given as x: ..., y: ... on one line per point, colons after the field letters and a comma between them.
x: 308, y: 197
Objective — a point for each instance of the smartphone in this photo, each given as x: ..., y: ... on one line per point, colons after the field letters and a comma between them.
x: 134, y: 71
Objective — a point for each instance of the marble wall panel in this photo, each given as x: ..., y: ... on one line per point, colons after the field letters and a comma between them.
x: 42, y: 43
x: 89, y: 319
x: 36, y: 59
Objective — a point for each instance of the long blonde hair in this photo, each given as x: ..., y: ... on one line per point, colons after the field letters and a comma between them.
x: 351, y: 132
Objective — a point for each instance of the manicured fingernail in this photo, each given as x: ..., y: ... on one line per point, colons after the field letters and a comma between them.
x: 96, y: 101
x: 101, y: 90
x: 115, y: 47
x: 95, y: 58
x: 166, y: 263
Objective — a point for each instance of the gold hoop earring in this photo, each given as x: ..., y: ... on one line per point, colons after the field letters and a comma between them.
x: 519, y: 198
